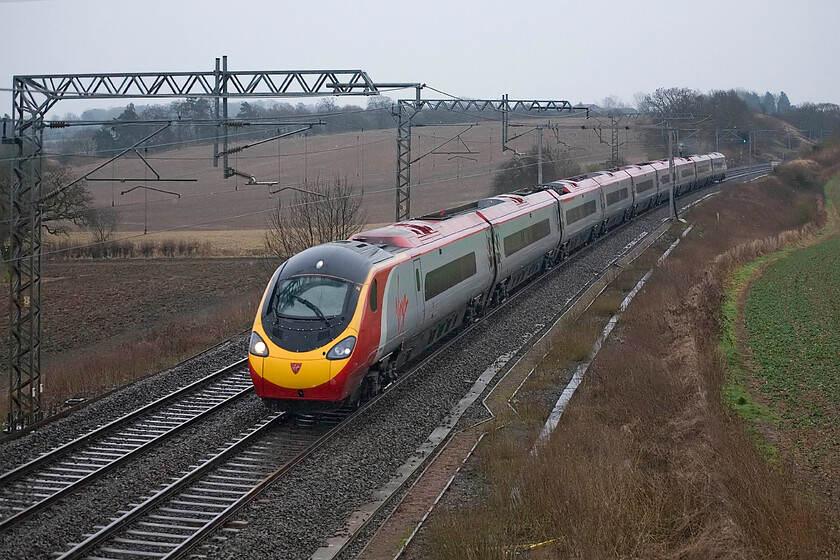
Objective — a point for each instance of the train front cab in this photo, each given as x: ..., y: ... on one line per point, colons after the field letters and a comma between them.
x: 305, y: 345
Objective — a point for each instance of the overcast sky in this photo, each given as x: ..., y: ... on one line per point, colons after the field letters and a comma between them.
x: 578, y: 51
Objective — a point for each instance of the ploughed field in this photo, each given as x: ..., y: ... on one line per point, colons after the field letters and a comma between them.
x: 94, y: 306
x: 447, y: 174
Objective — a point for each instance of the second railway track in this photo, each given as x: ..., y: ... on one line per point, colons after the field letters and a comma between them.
x: 35, y: 485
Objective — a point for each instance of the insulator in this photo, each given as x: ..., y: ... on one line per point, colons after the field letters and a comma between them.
x: 235, y: 124
x: 58, y: 124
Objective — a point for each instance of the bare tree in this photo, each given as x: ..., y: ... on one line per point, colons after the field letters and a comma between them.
x: 101, y: 222
x: 321, y: 211
x: 58, y: 211
x: 669, y: 102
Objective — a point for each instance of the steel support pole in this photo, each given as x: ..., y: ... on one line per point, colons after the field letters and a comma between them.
x: 672, y: 175
x: 225, y: 165
x: 25, y: 382
x: 216, y: 89
x: 505, y: 121
x: 614, y: 142
x: 404, y: 114
x: 539, y: 156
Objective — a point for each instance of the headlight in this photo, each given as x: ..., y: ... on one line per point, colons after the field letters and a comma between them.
x: 257, y: 346
x: 343, y: 349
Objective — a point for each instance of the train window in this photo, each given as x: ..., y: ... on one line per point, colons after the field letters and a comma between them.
x: 417, y: 278
x: 580, y: 212
x: 616, y: 196
x: 687, y: 173
x: 444, y: 277
x: 373, y: 296
x: 531, y: 234
x: 645, y: 185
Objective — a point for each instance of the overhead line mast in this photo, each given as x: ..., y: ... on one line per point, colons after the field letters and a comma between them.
x: 406, y: 109
x: 34, y: 95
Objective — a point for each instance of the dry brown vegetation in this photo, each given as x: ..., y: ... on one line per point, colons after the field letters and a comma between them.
x: 113, y: 364
x: 648, y: 462
x: 109, y: 322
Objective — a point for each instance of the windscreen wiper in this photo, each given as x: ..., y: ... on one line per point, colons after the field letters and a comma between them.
x: 314, y: 308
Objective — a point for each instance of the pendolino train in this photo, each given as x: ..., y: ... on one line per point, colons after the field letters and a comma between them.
x: 337, y: 321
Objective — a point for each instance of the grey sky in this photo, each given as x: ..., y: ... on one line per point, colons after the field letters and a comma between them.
x: 580, y: 51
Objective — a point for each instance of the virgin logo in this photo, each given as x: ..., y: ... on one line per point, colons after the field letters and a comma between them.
x: 401, y: 308
x: 295, y: 368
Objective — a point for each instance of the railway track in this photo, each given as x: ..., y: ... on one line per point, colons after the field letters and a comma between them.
x: 174, y: 519
x: 52, y: 476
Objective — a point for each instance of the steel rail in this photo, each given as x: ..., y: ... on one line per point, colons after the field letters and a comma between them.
x: 75, y: 464
x: 247, y: 469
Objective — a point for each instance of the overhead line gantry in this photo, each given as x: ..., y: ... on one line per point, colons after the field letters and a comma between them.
x: 34, y: 95
x: 406, y: 109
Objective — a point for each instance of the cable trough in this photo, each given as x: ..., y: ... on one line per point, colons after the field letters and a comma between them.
x: 41, y: 482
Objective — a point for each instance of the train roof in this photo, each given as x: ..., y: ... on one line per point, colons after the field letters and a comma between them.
x: 416, y: 233
x: 344, y: 259
x: 579, y: 184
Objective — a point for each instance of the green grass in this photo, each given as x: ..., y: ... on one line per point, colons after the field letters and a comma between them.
x: 736, y: 391
x: 793, y: 324
x: 792, y: 318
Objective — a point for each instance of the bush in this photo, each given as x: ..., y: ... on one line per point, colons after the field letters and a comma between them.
x: 801, y: 174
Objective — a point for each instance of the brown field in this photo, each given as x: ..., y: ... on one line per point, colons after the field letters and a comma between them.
x: 366, y: 158
x: 106, y: 323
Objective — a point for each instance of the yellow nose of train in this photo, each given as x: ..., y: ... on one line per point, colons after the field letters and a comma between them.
x: 285, y: 374
x: 307, y: 343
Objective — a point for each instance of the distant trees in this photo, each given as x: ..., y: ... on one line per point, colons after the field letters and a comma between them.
x: 320, y: 211
x: 752, y: 100
x: 783, y: 104
x: 768, y: 104
x: 727, y: 108
x: 193, y: 121
x: 248, y: 111
x: 671, y: 102
x: 522, y: 169
x: 816, y: 118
